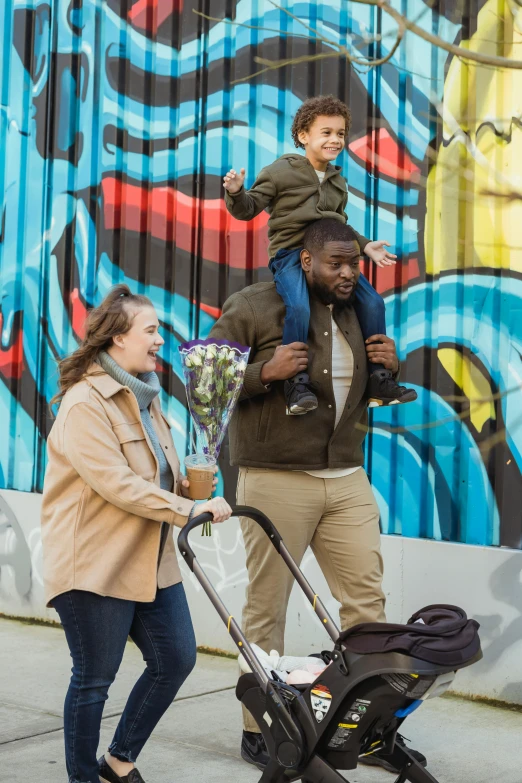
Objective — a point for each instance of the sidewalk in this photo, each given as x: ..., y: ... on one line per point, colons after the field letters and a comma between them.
x: 198, y: 738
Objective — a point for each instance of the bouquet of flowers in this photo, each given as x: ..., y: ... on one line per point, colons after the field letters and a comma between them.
x: 213, y: 371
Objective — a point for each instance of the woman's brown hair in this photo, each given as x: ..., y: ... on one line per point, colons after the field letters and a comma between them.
x: 113, y: 316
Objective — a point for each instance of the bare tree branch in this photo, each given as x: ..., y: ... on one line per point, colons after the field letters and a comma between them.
x: 404, y: 24
x: 476, y: 154
x: 249, y: 26
x: 339, y: 49
x: 365, y: 62
x: 485, y: 446
x: 435, y: 40
x: 273, y: 66
x: 510, y: 196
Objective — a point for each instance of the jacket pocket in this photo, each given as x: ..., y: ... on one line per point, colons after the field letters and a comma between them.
x: 126, y: 432
x: 135, y: 449
x: 263, y: 421
x: 79, y: 510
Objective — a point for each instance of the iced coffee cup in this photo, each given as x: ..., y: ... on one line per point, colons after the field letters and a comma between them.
x: 200, y: 470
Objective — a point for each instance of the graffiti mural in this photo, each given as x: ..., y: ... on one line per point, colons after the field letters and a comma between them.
x: 15, y: 553
x: 117, y: 123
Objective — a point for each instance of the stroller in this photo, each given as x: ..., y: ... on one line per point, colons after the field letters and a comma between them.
x: 378, y: 674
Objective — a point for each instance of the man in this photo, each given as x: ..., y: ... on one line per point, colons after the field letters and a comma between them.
x: 305, y: 473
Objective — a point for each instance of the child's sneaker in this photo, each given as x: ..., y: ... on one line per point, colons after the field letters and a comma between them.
x: 299, y: 396
x: 384, y: 390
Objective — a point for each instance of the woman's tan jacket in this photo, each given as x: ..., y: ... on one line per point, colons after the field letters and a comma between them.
x: 102, y: 504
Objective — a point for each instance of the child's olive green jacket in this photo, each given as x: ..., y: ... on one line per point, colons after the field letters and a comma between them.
x: 290, y: 191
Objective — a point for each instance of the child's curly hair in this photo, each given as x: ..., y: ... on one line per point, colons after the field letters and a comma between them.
x: 327, y: 105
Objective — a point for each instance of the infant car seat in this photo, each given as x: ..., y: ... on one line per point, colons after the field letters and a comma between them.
x: 378, y: 674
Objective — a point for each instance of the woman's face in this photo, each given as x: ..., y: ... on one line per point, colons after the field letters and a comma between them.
x: 136, y: 350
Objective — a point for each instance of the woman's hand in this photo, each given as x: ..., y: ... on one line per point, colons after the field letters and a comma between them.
x: 218, y: 507
x: 184, y: 484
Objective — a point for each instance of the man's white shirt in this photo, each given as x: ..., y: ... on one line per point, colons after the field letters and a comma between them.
x: 342, y: 375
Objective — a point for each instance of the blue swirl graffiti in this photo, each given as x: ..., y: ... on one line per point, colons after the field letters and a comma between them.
x: 94, y: 97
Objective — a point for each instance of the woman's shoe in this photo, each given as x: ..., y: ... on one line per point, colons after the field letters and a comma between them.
x: 108, y: 775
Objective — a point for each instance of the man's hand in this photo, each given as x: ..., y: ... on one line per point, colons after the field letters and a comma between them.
x: 287, y: 361
x: 381, y: 350
x: 233, y: 182
x: 378, y: 254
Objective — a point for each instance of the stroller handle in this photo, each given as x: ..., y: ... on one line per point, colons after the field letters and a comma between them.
x: 233, y: 628
x: 268, y: 686
x: 237, y: 511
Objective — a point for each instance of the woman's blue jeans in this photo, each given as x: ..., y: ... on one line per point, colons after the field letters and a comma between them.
x: 96, y: 629
x: 292, y: 288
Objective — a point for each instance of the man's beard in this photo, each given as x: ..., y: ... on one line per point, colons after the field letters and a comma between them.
x: 328, y: 297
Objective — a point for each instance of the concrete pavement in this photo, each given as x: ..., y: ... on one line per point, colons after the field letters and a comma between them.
x: 198, y: 738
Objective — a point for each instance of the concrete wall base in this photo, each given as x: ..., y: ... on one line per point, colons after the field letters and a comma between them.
x: 484, y: 581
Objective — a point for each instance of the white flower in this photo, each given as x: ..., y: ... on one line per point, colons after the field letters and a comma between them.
x: 224, y: 354
x: 241, y: 366
x: 211, y: 352
x: 188, y: 361
x: 200, y: 350
x: 196, y: 360
x: 230, y: 371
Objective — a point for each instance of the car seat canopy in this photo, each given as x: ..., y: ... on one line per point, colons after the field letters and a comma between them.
x: 440, y: 634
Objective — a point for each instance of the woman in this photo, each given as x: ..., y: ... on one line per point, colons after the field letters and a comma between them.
x: 112, y: 492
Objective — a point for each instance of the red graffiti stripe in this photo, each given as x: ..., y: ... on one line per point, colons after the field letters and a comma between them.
x: 384, y: 155
x: 215, y: 312
x: 79, y: 313
x: 12, y: 358
x: 388, y: 278
x: 172, y: 216
x: 150, y: 14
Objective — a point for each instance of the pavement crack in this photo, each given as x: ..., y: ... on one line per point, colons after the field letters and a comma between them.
x: 30, y: 733
x: 29, y: 709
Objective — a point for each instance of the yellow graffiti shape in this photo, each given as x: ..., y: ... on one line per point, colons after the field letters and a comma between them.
x: 473, y: 384
x: 474, y: 217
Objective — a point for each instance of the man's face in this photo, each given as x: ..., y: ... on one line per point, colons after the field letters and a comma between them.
x: 332, y: 272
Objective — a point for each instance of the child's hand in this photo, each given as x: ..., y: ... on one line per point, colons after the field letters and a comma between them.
x: 380, y: 256
x: 232, y: 181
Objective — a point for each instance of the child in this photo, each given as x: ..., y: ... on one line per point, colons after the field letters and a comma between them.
x: 297, y: 190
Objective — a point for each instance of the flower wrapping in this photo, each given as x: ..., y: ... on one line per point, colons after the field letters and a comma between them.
x: 214, y: 371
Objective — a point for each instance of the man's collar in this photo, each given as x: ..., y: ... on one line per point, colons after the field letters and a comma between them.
x: 343, y: 314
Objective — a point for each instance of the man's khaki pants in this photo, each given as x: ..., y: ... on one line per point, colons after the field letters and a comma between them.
x: 339, y: 519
